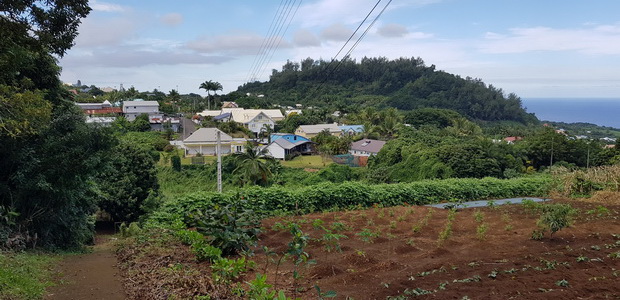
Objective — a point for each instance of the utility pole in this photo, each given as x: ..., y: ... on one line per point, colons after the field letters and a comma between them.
x: 219, y: 162
x: 551, y: 160
x: 588, y: 158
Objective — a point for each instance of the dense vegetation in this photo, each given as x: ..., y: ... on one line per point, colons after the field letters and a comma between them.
x: 405, y: 83
x: 329, y: 196
x: 56, y: 170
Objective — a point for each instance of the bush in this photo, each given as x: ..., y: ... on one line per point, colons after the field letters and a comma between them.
x: 330, y: 196
x: 176, y: 163
x: 554, y: 218
x: 231, y: 228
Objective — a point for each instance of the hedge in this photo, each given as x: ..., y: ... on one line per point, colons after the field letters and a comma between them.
x: 331, y: 196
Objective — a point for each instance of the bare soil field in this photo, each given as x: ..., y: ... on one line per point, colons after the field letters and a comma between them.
x: 407, y: 252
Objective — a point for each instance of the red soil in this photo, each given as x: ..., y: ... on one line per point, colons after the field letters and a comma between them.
x: 397, y: 259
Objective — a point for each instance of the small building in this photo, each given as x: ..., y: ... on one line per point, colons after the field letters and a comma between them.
x: 204, y: 142
x: 229, y: 104
x: 512, y: 139
x: 254, y: 120
x: 160, y: 124
x: 99, y: 109
x: 366, y: 147
x: 310, y: 131
x: 283, y: 148
x: 351, y: 130
x: 133, y: 109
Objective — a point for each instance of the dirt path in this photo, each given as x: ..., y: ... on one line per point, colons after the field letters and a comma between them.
x: 89, y: 276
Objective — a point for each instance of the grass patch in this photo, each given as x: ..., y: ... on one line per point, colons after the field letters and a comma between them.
x: 307, y: 161
x: 25, y: 275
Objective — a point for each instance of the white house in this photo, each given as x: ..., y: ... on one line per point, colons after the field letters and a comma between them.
x: 204, y: 141
x: 132, y: 109
x: 282, y: 147
x: 366, y: 147
x: 254, y: 120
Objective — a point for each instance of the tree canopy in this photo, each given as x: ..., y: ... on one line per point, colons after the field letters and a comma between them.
x: 404, y: 83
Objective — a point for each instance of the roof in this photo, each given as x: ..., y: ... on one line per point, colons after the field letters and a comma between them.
x: 277, y: 135
x: 356, y: 128
x: 105, y: 110
x: 210, y: 113
x: 140, y: 103
x: 372, y: 146
x: 221, y: 117
x: 229, y: 104
x: 319, y: 127
x: 288, y: 145
x: 207, y: 135
x: 241, y: 115
x: 245, y: 116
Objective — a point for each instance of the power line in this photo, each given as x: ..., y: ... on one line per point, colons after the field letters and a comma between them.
x: 271, y: 45
x: 264, y: 43
x: 280, y: 39
x: 273, y: 36
x: 354, y: 45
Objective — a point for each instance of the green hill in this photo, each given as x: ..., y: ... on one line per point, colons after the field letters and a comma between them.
x: 404, y: 83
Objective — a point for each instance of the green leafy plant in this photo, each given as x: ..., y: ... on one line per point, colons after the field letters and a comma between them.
x: 481, y: 231
x: 562, y: 283
x: 230, y: 228
x: 554, y: 217
x: 447, y: 231
x: 225, y: 270
x: 318, y: 224
x: 206, y: 252
x: 323, y: 295
x: 367, y: 235
x: 339, y: 226
x: 331, y: 241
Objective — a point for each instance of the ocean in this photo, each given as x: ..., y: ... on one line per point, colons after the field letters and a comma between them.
x: 599, y: 111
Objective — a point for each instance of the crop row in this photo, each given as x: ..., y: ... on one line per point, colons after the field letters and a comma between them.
x: 330, y: 196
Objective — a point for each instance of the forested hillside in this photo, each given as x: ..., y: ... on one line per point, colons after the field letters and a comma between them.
x: 405, y: 83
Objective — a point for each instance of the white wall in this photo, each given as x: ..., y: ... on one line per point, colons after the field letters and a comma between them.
x: 276, y: 151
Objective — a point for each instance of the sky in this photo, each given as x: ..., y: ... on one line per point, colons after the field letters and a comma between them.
x: 532, y: 48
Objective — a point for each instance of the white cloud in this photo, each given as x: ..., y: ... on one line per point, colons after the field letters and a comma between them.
x: 95, y: 32
x: 336, y: 32
x: 604, y: 39
x: 392, y: 30
x: 233, y: 44
x: 128, y: 57
x: 106, y: 7
x: 305, y: 38
x: 172, y: 19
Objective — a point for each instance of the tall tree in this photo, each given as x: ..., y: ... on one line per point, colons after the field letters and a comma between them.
x: 211, y: 86
x: 253, y: 165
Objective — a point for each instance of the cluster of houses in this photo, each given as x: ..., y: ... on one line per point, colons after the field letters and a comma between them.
x: 105, y: 113
x: 282, y: 146
x: 279, y: 145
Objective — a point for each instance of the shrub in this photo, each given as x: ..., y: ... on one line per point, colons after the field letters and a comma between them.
x: 176, y: 163
x: 231, y: 227
x: 554, y: 217
x: 205, y: 252
x: 330, y: 196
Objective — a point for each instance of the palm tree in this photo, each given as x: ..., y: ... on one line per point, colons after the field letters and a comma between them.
x: 390, y: 121
x: 210, y: 86
x: 253, y: 165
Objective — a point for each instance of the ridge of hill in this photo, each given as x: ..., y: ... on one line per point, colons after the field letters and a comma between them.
x: 404, y: 83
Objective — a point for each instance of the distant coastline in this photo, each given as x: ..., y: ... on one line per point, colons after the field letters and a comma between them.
x: 599, y: 111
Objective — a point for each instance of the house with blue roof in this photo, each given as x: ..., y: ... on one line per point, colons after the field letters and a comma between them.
x: 287, y: 145
x: 351, y: 130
